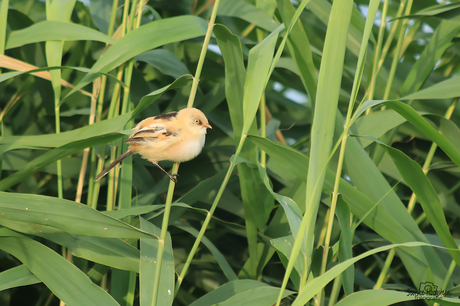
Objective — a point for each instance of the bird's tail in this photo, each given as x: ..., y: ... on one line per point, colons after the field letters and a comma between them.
x: 113, y: 164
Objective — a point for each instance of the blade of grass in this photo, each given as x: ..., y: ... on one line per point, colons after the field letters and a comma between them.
x: 373, y: 6
x: 63, y: 215
x: 65, y: 280
x: 248, y: 12
x: 388, y: 297
x: 240, y: 292
x: 53, y: 155
x: 322, y: 128
x: 442, y: 90
x: 317, y: 284
x: 16, y: 277
x: 372, y: 214
x: 160, y: 32
x: 54, y: 30
x: 440, y: 41
x: 413, y: 175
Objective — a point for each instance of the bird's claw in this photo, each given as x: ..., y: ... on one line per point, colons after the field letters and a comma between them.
x: 174, y: 177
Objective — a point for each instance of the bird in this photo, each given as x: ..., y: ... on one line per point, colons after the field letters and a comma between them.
x: 175, y: 136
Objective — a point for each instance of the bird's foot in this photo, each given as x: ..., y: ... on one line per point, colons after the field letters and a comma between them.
x: 173, y: 177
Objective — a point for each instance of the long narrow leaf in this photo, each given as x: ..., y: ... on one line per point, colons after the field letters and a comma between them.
x: 159, y: 32
x: 63, y: 215
x: 54, y: 30
x: 65, y: 280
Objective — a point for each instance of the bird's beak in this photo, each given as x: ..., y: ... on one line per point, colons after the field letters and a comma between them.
x: 207, y: 125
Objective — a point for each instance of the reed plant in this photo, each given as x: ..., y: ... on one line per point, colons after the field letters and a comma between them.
x: 330, y: 176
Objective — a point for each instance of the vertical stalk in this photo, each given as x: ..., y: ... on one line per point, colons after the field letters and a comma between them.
x: 378, y: 49
x: 58, y: 162
x: 112, y: 18
x: 3, y: 22
x: 92, y: 117
x: 262, y: 108
x: 169, y: 197
x: 335, y: 290
x: 123, y: 187
x: 263, y: 128
x: 373, y: 7
x: 449, y: 273
x: 204, y: 49
x: 378, y: 153
x: 161, y: 241
x: 209, y: 215
x: 397, y: 51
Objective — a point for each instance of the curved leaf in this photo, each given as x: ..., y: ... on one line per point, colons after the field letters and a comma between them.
x: 389, y: 297
x: 442, y: 90
x: 17, y: 276
x: 66, y: 281
x: 248, y: 12
x: 241, y: 292
x: 63, y: 215
x: 54, y: 30
x: 159, y: 32
x: 313, y: 287
x: 413, y: 117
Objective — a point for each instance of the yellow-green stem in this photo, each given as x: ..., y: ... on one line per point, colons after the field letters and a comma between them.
x: 378, y: 49
x: 124, y: 25
x: 248, y: 30
x: 385, y: 269
x: 353, y: 96
x: 59, y: 162
x: 397, y: 52
x: 263, y: 129
x: 3, y: 23
x: 112, y: 17
x: 190, y: 102
x: 379, y: 152
x: 449, y: 273
x: 164, y: 231
x: 323, y: 229
x: 111, y: 190
x: 84, y: 163
x: 393, y: 28
x: 209, y: 215
x: 132, y: 16
x: 335, y: 290
x: 93, y: 190
x: 98, y: 115
x: 330, y: 222
x: 204, y: 49
x: 262, y: 110
x: 303, y: 226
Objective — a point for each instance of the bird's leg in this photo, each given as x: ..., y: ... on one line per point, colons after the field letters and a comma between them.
x: 172, y: 177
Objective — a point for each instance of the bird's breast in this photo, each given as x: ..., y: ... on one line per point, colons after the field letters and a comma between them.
x: 188, y: 150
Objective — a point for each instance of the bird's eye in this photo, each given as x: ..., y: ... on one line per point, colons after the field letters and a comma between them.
x: 197, y: 121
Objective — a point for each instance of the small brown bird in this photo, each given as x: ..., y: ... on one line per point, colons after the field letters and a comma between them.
x: 176, y: 136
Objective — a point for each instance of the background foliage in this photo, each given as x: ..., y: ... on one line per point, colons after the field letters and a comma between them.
x: 321, y: 181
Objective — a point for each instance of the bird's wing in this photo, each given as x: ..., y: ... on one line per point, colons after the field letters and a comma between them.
x: 153, y: 132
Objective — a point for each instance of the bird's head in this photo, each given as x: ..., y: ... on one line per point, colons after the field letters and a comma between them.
x: 195, y: 120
